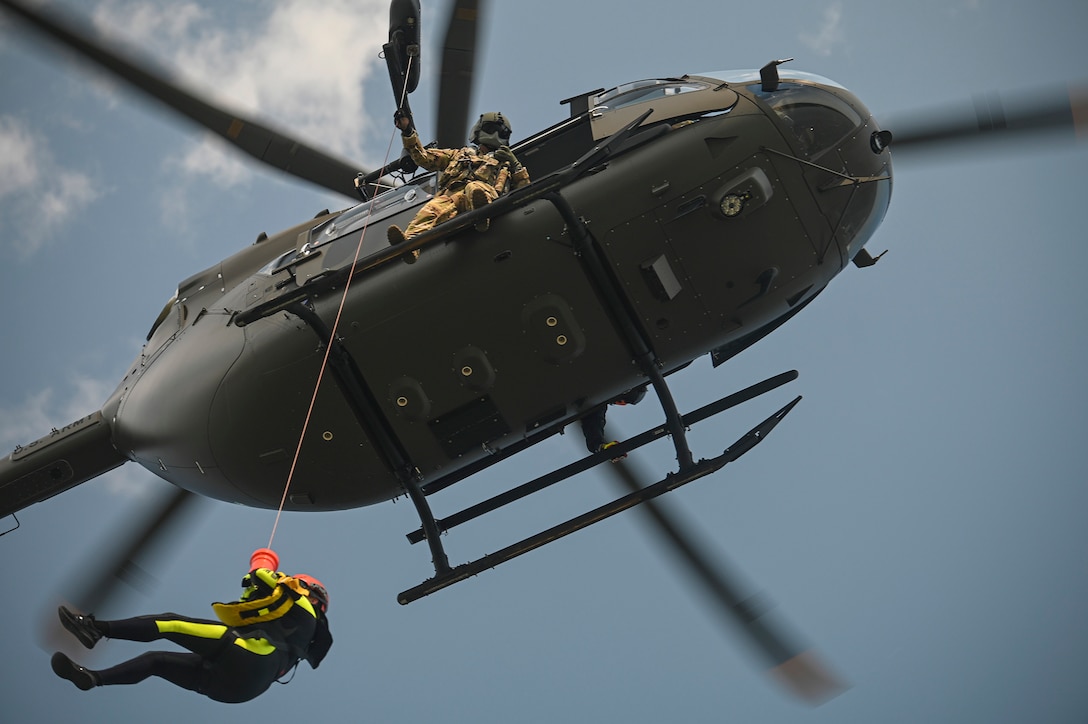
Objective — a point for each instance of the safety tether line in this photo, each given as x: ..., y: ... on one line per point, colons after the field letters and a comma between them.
x: 335, y: 326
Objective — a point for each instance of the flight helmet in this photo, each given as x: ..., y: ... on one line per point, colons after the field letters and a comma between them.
x: 316, y: 589
x: 491, y: 130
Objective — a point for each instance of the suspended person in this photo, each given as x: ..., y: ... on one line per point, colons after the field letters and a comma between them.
x: 278, y: 621
x: 468, y: 178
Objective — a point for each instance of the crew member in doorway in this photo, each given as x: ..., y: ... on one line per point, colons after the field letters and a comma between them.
x: 468, y: 178
x: 593, y: 423
x: 278, y: 621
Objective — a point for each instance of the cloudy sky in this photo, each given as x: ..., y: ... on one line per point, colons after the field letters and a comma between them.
x: 918, y: 518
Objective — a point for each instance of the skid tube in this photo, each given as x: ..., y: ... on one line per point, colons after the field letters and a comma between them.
x: 670, y: 482
x: 589, y: 461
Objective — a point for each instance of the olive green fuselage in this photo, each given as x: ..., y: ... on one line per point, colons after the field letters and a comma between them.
x: 714, y: 229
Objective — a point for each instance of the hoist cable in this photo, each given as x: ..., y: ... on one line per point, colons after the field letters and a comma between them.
x: 332, y: 334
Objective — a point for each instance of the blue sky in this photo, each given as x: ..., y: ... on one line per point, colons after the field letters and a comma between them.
x: 918, y: 518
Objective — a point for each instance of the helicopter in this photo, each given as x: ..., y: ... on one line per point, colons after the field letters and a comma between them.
x: 660, y: 283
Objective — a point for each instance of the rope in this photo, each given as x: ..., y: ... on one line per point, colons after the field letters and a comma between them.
x: 335, y: 326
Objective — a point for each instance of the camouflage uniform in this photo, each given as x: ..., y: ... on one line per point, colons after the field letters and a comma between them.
x: 467, y: 179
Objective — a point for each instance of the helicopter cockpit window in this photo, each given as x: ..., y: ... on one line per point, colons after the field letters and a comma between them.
x: 817, y: 118
x: 381, y: 206
x: 641, y: 91
x: 276, y: 263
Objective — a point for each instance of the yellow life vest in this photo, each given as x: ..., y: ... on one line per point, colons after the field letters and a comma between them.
x: 287, y: 592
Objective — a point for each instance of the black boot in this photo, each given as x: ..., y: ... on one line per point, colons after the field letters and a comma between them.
x: 81, y: 676
x: 81, y: 626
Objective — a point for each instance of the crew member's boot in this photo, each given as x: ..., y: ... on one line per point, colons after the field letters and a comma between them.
x: 479, y: 199
x: 396, y: 236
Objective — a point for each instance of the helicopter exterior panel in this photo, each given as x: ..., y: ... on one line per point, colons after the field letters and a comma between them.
x: 261, y: 415
x: 498, y: 334
x: 713, y: 268
x: 180, y: 376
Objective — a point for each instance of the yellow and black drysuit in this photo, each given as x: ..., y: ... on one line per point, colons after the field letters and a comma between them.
x: 257, y: 640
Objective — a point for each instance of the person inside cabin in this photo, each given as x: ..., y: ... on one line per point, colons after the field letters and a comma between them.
x: 278, y: 621
x: 593, y: 422
x: 468, y: 178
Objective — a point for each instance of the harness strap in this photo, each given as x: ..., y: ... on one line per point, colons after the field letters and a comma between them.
x: 287, y: 593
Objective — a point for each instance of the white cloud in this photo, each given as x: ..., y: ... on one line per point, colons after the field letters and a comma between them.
x: 131, y: 481
x: 67, y: 193
x: 300, y: 68
x: 19, y: 157
x: 148, y: 20
x: 296, y: 65
x: 43, y: 411
x: 39, y: 413
x: 829, y: 34
x: 27, y: 422
x: 214, y: 161
x: 36, y: 191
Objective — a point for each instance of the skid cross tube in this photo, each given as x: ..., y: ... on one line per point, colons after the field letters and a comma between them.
x: 670, y: 482
x: 568, y: 471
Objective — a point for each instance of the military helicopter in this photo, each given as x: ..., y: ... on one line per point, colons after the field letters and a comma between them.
x: 788, y: 159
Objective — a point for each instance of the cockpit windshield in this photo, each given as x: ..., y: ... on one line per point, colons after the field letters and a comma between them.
x: 640, y: 91
x: 809, y: 104
x: 750, y: 75
x: 817, y: 117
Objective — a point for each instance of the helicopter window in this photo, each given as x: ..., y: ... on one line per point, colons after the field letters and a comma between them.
x: 751, y: 75
x: 816, y: 117
x: 381, y: 206
x: 644, y: 90
x: 276, y: 263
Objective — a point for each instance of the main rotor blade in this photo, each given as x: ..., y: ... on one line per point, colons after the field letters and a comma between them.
x: 103, y: 578
x: 799, y: 669
x: 271, y: 147
x: 458, y: 68
x: 997, y: 117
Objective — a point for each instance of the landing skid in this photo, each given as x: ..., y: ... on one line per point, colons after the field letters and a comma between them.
x: 688, y: 471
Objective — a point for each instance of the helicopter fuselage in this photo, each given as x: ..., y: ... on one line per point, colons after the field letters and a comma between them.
x: 731, y: 209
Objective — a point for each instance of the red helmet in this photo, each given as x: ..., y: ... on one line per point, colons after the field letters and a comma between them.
x: 316, y: 588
